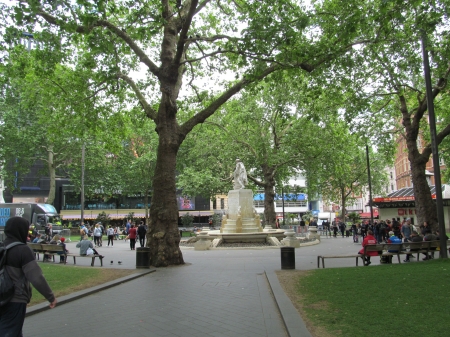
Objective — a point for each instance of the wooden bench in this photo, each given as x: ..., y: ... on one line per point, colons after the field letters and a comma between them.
x: 36, y: 248
x: 389, y: 249
x: 100, y: 257
x: 424, y: 247
x: 48, y: 249
x: 52, y: 250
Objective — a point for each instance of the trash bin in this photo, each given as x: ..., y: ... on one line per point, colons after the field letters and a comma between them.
x: 347, y: 233
x: 142, y: 257
x: 287, y: 258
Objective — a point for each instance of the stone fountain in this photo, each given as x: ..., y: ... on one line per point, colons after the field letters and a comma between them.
x: 241, y: 223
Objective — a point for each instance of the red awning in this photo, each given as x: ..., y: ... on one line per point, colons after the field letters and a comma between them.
x: 367, y: 215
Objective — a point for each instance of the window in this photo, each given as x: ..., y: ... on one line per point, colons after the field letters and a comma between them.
x: 222, y: 203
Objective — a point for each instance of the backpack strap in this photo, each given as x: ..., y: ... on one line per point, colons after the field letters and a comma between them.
x: 12, y: 244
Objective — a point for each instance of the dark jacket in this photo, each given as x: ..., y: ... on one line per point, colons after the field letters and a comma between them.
x: 141, y: 231
x: 21, y: 264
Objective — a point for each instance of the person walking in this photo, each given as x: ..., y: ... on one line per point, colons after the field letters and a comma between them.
x: 110, y: 233
x: 132, y: 236
x: 141, y: 231
x: 127, y: 227
x: 382, y: 232
x: 335, y: 228
x: 49, y: 232
x: 302, y: 226
x: 103, y: 233
x: 354, y: 232
x: 23, y: 268
x: 97, y: 235
x: 83, y: 231
x: 342, y: 227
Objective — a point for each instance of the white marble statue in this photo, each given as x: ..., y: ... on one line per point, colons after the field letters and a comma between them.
x: 240, y: 175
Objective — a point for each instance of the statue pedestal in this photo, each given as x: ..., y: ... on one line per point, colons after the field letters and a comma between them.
x: 241, y: 215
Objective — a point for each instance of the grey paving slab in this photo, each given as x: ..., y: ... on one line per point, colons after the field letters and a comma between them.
x: 217, y: 293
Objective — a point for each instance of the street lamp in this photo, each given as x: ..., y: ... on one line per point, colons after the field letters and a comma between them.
x: 370, y: 184
x: 83, y: 150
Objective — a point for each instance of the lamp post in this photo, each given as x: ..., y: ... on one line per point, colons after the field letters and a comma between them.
x: 282, y: 201
x: 83, y: 149
x: 370, y: 184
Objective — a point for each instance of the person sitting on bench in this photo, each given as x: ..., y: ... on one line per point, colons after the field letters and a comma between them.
x: 414, y: 237
x: 368, y: 240
x: 84, y: 245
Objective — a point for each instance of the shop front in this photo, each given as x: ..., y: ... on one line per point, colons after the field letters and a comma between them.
x: 401, y: 205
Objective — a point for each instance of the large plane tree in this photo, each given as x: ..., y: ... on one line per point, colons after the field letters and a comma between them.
x: 182, y: 60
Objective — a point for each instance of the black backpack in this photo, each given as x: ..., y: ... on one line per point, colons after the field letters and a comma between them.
x: 6, y: 284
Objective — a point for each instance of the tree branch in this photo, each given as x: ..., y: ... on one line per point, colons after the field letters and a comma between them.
x: 186, y: 23
x: 106, y: 24
x: 427, y: 150
x: 208, y: 111
x: 440, y: 85
x: 252, y: 150
x: 147, y: 108
x: 256, y: 181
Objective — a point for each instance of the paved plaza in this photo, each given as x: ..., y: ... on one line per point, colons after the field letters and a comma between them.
x: 221, y: 292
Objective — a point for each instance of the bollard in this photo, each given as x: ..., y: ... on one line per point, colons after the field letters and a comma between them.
x: 142, y: 257
x: 287, y: 258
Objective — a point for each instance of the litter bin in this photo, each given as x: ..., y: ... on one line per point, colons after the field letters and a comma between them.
x: 142, y: 257
x: 287, y: 258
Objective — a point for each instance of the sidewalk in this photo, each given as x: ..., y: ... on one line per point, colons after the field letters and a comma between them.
x: 217, y: 293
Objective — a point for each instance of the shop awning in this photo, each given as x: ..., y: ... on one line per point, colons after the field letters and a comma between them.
x: 366, y: 215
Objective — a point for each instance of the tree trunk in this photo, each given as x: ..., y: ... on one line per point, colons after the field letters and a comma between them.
x: 269, y: 197
x: 146, y: 206
x: 425, y: 206
x: 343, y: 201
x: 52, y: 174
x: 163, y: 237
x: 269, y: 206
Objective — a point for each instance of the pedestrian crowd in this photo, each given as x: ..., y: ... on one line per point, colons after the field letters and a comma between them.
x: 394, y: 232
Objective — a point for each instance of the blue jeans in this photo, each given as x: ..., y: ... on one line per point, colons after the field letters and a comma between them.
x: 12, y: 316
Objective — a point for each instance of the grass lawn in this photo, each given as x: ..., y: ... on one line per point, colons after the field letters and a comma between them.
x: 410, y: 299
x: 68, y: 279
